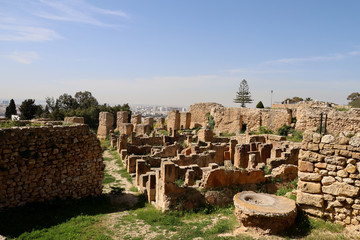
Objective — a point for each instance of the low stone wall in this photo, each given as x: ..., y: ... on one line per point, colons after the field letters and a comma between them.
x: 44, y: 163
x: 329, y: 177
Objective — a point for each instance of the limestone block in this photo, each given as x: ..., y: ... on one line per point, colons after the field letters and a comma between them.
x: 355, y: 141
x: 335, y: 160
x: 328, y: 180
x: 305, y: 166
x: 74, y: 120
x: 315, y: 211
x: 341, y: 189
x: 308, y: 136
x: 321, y: 165
x: 315, y: 200
x: 285, y: 172
x: 313, y: 147
x: 350, y: 168
x: 342, y: 173
x: 316, y: 137
x: 309, y: 187
x: 328, y: 139
x: 312, y: 177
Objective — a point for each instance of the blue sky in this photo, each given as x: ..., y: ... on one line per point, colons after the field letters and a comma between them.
x: 180, y: 52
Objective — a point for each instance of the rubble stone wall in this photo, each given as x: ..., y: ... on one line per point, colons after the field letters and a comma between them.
x: 308, y: 118
x: 329, y: 177
x: 43, y: 163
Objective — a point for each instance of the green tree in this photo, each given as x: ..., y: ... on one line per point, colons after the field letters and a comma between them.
x: 243, y: 96
x: 293, y: 100
x: 85, y: 99
x: 11, y: 109
x: 66, y: 102
x: 354, y: 100
x: 28, y: 109
x: 260, y: 105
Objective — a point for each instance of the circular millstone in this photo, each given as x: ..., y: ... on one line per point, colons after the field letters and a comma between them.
x: 264, y: 211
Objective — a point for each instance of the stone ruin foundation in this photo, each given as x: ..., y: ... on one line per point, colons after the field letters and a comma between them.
x: 190, y: 168
x: 265, y: 212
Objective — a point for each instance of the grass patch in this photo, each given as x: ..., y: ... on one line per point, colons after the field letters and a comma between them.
x: 164, y: 132
x: 134, y: 189
x: 342, y: 109
x: 80, y: 227
x: 290, y: 186
x: 108, y: 179
x: 39, y: 216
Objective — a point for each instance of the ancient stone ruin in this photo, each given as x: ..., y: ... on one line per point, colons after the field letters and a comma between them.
x: 329, y: 176
x: 48, y: 162
x: 265, y: 212
x: 187, y: 168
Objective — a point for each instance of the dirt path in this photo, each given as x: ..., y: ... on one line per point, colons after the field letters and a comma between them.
x: 114, y: 170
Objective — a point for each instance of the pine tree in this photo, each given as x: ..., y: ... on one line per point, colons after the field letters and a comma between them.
x: 243, y: 96
x: 28, y: 109
x: 11, y: 109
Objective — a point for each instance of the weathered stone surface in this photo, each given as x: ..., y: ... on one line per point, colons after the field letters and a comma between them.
x: 350, y: 168
x: 305, y: 166
x: 312, y: 177
x: 328, y: 180
x: 263, y: 211
x: 328, y: 139
x: 309, y: 187
x: 285, y: 172
x: 49, y: 162
x: 355, y: 141
x: 79, y: 120
x: 198, y: 113
x: 341, y: 189
x: 315, y: 200
x: 336, y: 160
x: 342, y: 173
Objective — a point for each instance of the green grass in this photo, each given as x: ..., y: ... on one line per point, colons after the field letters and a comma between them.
x: 108, y: 179
x: 80, y: 227
x: 344, y: 109
x: 183, y: 225
x: 40, y: 216
x: 164, y: 132
x: 134, y: 189
x: 288, y: 188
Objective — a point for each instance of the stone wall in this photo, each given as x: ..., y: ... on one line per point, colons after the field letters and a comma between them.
x: 43, y: 163
x: 329, y: 177
x: 198, y: 113
x: 308, y: 118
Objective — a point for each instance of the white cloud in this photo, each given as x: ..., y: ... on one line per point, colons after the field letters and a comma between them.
x: 25, y: 33
x: 23, y: 57
x: 307, y: 59
x: 75, y: 11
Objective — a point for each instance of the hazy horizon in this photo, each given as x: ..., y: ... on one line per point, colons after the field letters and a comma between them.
x: 179, y: 53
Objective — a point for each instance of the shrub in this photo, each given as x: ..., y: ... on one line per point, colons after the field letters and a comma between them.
x: 265, y: 130
x: 284, y: 130
x: 260, y: 105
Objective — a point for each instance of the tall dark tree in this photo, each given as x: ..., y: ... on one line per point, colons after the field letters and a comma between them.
x: 11, y: 109
x: 28, y: 109
x: 243, y: 96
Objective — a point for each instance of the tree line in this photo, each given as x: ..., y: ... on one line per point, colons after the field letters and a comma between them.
x: 83, y: 104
